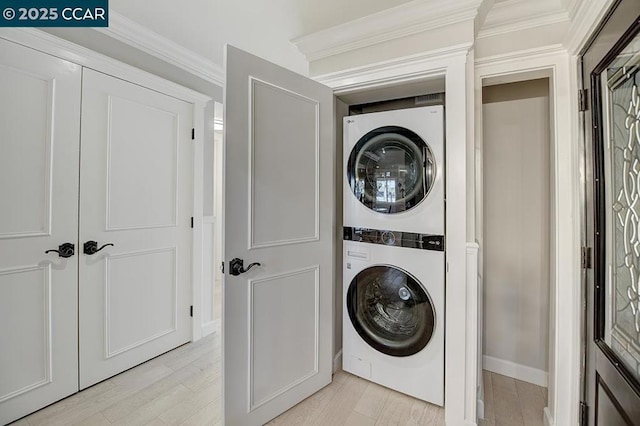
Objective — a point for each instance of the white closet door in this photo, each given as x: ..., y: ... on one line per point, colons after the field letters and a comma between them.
x: 279, y: 208
x: 136, y: 193
x: 39, y: 140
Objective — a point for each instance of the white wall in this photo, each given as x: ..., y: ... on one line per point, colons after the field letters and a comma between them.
x: 516, y: 237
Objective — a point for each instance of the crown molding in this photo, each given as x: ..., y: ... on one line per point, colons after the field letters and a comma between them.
x: 401, y: 21
x: 587, y: 16
x: 521, y: 55
x: 572, y: 7
x: 394, y: 71
x: 517, y: 15
x: 133, y: 34
x: 63, y: 49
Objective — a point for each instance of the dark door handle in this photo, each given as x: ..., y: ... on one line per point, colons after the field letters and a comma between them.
x: 236, y: 266
x: 64, y: 250
x: 91, y: 247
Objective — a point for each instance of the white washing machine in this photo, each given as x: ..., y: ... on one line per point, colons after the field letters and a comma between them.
x: 393, y: 320
x: 394, y: 170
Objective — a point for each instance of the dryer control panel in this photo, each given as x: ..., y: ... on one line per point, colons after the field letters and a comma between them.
x: 394, y: 238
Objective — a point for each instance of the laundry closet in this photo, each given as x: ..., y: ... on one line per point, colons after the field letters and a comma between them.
x: 390, y: 296
x: 97, y: 188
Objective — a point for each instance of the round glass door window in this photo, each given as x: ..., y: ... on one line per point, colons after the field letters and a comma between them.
x: 390, y: 310
x: 391, y: 170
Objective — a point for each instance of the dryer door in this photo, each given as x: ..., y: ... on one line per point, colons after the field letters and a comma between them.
x: 390, y: 310
x: 391, y: 169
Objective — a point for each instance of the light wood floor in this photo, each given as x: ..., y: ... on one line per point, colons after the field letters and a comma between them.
x: 510, y: 402
x: 352, y: 401
x: 183, y: 387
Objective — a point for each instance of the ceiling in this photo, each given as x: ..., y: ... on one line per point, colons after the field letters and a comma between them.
x: 266, y: 28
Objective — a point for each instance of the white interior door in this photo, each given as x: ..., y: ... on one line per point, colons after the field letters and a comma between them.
x: 136, y: 193
x: 279, y: 211
x: 39, y: 140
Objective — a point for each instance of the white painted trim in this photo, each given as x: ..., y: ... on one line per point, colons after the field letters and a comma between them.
x: 572, y: 7
x: 548, y: 418
x: 393, y: 72
x: 480, y: 409
x: 55, y: 46
x: 587, y: 16
x: 517, y: 15
x: 210, y: 327
x: 524, y: 23
x: 517, y: 371
x: 337, y: 361
x: 135, y: 35
x: 474, y: 299
x: 401, y: 21
x: 566, y: 189
x: 512, y: 58
x: 197, y: 271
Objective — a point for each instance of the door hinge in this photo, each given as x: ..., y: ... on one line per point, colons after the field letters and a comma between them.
x: 584, y: 414
x: 586, y: 258
x: 191, y: 311
x: 193, y: 134
x: 583, y: 100
x: 222, y: 267
x: 192, y: 221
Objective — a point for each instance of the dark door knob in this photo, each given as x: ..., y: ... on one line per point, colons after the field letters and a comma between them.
x: 64, y: 250
x: 236, y: 266
x: 91, y: 247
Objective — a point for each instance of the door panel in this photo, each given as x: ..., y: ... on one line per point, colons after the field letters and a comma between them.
x: 279, y: 211
x: 27, y: 114
x: 272, y: 371
x: 129, y: 146
x: 39, y: 142
x: 284, y: 206
x: 612, y: 134
x: 617, y: 391
x: 136, y: 193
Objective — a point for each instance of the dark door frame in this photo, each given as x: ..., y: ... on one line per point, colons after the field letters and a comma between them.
x: 600, y: 365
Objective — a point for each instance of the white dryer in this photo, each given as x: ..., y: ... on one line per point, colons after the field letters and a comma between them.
x: 394, y: 170
x: 393, y: 321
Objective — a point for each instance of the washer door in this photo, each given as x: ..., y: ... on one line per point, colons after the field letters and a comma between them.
x: 391, y: 169
x: 390, y: 310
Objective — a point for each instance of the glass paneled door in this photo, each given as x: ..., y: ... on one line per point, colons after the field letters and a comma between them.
x: 611, y: 75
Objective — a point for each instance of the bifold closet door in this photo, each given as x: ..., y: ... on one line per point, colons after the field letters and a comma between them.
x: 136, y: 180
x: 39, y: 140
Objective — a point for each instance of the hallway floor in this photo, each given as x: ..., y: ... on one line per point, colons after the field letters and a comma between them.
x: 511, y: 402
x: 183, y: 387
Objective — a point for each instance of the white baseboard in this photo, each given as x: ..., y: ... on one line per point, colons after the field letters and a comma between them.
x: 210, y: 327
x: 480, y: 409
x: 548, y: 419
x: 517, y: 371
x: 337, y: 361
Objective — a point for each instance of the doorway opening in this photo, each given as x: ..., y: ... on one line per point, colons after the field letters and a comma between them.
x: 516, y: 236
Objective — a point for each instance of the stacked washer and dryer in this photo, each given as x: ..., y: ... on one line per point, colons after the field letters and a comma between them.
x: 394, y: 265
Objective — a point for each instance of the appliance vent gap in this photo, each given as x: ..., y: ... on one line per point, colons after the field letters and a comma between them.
x: 431, y: 99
